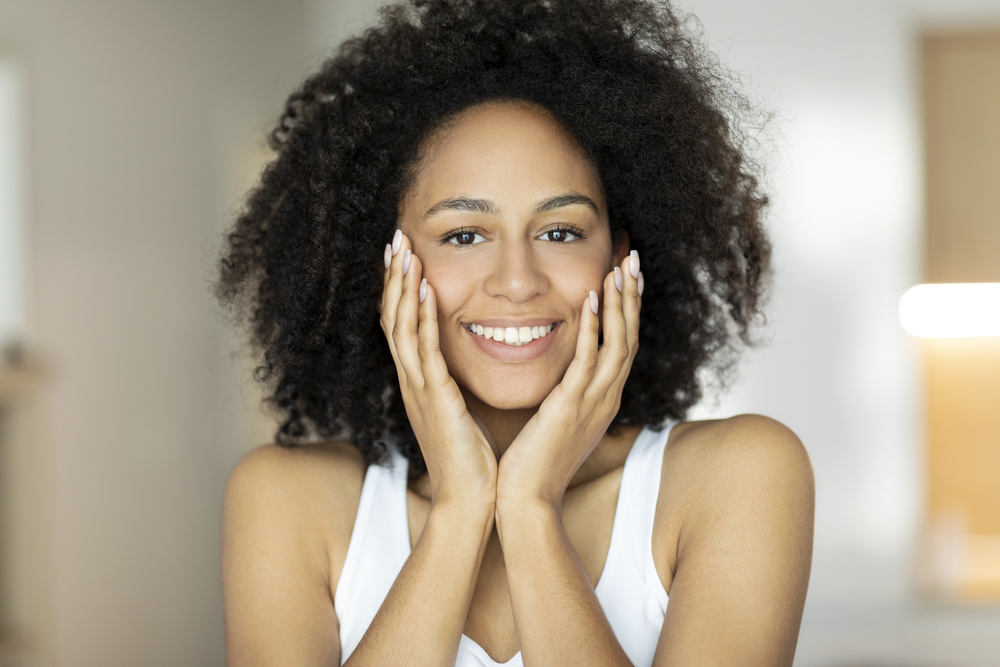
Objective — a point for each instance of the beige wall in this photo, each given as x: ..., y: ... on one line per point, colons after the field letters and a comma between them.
x: 130, y: 106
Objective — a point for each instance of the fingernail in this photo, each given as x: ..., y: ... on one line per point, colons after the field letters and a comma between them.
x: 633, y: 263
x: 641, y: 283
x: 397, y: 238
x: 423, y: 289
x: 593, y: 301
x: 388, y: 255
x: 406, y: 261
x: 618, y: 278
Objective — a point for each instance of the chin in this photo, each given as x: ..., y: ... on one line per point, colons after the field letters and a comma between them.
x: 512, y: 393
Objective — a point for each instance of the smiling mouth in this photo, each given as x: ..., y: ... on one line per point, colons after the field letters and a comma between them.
x: 513, y: 336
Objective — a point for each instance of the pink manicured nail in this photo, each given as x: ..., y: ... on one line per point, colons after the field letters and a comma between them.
x: 406, y: 261
x: 397, y: 238
x: 633, y: 263
x: 593, y: 301
x: 618, y: 278
x: 423, y: 289
x: 388, y: 255
x: 641, y: 283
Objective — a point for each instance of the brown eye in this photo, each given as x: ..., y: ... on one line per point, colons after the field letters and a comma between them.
x: 464, y: 237
x: 561, y: 235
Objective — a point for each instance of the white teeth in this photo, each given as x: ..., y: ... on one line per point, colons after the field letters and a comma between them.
x: 513, y: 336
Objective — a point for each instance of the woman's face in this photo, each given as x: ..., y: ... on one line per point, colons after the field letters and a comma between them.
x: 509, y: 219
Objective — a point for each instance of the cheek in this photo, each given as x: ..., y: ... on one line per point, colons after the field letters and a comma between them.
x: 453, y: 287
x: 578, y: 275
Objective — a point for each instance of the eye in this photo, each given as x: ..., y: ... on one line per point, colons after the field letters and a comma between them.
x: 463, y: 237
x: 562, y: 235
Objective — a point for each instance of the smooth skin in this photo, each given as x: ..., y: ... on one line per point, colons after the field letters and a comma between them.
x: 510, y: 526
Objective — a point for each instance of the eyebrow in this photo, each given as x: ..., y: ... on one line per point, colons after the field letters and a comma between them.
x: 471, y: 205
x: 570, y: 199
x: 463, y: 204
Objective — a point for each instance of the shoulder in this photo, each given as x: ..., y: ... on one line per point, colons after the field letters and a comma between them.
x: 748, y: 447
x: 287, y: 519
x: 736, y: 466
x: 284, y: 473
x: 306, y: 495
x: 717, y: 475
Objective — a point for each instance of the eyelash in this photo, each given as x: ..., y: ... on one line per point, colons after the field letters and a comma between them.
x: 447, y: 238
x: 566, y: 229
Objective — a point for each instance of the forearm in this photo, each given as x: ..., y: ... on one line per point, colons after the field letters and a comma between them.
x: 558, y: 617
x: 421, y: 620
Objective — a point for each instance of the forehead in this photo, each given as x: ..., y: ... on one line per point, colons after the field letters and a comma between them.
x: 503, y: 151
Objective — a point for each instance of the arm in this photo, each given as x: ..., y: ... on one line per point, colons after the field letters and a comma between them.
x: 743, y: 489
x: 281, y: 508
x: 421, y: 620
x: 558, y: 617
x: 288, y: 512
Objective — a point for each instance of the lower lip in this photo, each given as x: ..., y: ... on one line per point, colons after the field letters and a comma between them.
x: 503, y: 352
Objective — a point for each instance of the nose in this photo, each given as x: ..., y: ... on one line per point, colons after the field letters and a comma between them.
x: 516, y: 273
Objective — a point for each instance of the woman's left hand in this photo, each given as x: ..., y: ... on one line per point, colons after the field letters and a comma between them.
x: 543, y: 458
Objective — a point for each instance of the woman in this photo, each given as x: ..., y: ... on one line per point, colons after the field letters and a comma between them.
x: 445, y: 267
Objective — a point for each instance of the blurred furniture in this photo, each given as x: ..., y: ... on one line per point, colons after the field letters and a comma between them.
x: 22, y: 541
x: 961, y: 104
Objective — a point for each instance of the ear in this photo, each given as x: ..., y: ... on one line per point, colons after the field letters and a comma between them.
x: 622, y: 245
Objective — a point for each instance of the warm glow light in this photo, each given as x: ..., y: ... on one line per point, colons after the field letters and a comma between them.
x: 951, y: 310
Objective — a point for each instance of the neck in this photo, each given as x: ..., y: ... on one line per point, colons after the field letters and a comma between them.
x: 499, y: 426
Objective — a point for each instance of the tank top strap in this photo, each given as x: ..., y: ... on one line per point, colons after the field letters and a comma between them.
x: 632, y: 535
x: 379, y: 546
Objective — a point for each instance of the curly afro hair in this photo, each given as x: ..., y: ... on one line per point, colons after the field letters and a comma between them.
x: 302, y: 263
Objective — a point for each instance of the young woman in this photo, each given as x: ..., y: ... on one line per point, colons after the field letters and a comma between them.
x: 497, y: 243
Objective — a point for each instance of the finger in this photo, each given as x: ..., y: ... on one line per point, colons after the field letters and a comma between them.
x: 391, y: 249
x: 391, y: 294
x: 581, y: 369
x: 631, y: 307
x: 433, y: 364
x: 614, y: 352
x: 404, y: 332
x: 632, y: 300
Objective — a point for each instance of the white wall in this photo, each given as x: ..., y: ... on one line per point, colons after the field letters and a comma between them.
x: 13, y: 250
x: 837, y: 367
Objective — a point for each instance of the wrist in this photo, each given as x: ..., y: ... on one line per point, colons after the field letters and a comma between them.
x: 525, y: 520
x: 465, y: 509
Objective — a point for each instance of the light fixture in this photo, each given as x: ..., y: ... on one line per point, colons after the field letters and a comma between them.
x: 951, y: 310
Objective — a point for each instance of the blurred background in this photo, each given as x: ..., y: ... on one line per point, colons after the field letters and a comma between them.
x: 129, y: 132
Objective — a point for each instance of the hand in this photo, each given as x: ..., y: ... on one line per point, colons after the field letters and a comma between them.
x: 460, y: 461
x: 572, y: 419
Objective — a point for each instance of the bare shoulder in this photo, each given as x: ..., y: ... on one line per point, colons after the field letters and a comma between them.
x: 712, y: 458
x: 303, y: 475
x: 745, y: 470
x: 737, y: 506
x: 305, y: 496
x: 287, y: 520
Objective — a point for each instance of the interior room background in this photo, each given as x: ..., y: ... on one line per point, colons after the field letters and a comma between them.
x: 137, y: 127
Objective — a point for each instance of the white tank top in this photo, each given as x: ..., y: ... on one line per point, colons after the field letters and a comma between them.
x: 629, y: 590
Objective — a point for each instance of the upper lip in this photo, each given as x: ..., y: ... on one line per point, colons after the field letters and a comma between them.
x: 513, y: 322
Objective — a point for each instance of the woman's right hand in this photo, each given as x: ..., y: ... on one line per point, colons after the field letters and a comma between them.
x: 461, y: 463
